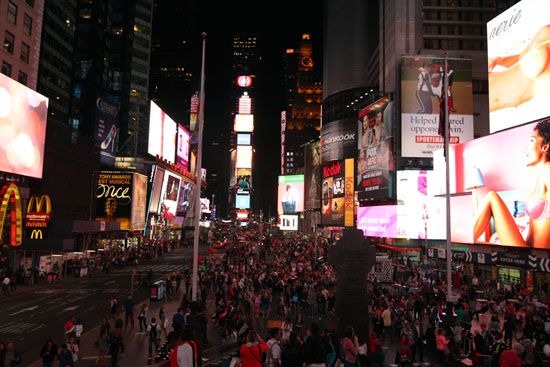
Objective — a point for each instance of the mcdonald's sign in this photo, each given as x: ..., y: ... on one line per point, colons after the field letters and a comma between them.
x: 11, y: 199
x: 36, y: 234
x: 38, y: 215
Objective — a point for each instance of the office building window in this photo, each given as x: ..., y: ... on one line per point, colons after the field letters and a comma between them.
x: 22, y: 78
x: 27, y: 24
x: 25, y: 49
x: 6, y: 68
x: 12, y: 13
x: 9, y: 41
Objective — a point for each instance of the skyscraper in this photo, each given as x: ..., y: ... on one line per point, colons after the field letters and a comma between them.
x: 304, y: 97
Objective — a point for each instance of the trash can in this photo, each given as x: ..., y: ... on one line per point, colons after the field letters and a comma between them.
x: 158, y: 290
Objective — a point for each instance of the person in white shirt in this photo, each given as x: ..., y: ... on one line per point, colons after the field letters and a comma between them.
x: 274, y: 351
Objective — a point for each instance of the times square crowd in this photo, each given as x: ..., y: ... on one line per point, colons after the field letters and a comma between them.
x: 273, y: 300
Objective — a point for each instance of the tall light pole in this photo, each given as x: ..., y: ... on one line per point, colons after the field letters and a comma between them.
x: 198, y: 169
x: 447, y: 183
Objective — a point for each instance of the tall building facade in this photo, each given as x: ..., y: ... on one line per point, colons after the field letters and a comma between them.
x: 20, y: 29
x: 111, y: 63
x: 303, y: 113
x: 245, y: 65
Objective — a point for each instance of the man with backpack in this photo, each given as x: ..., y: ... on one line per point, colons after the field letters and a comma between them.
x: 153, y: 332
x: 316, y: 348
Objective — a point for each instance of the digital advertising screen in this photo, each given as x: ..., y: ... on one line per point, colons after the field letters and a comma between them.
x: 157, y: 177
x: 169, y: 194
x: 244, y: 156
x: 288, y: 222
x: 23, y: 114
x: 185, y: 198
x: 312, y: 159
x: 244, y: 123
x: 244, y: 182
x: 182, y: 151
x: 421, y: 89
x: 378, y: 221
x: 337, y: 193
x: 205, y: 205
x: 162, y: 134
x: 242, y: 201
x: 106, y: 128
x: 505, y: 175
x: 290, y: 194
x: 245, y: 104
x: 375, y: 162
x: 243, y: 139
x: 113, y: 197
x: 139, y: 201
x: 339, y: 140
x: 518, y: 52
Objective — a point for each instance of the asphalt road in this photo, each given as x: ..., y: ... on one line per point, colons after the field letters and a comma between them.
x: 37, y: 313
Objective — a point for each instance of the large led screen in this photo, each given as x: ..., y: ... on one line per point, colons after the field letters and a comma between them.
x: 162, y: 134
x: 113, y: 197
x: 185, y: 198
x: 421, y: 90
x: 312, y: 159
x: 375, y: 163
x: 139, y: 201
x: 23, y: 114
x: 290, y: 194
x: 169, y: 194
x: 243, y: 139
x: 288, y: 222
x: 182, y: 152
x: 378, y: 221
x: 157, y: 178
x: 337, y: 193
x: 244, y: 123
x: 339, y: 139
x: 506, y: 176
x: 106, y: 128
x: 244, y: 156
x: 518, y: 50
x: 242, y: 201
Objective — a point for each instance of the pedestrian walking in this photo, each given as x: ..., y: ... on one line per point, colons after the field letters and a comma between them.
x: 252, y: 351
x: 153, y: 331
x: 78, y: 329
x: 12, y: 358
x: 116, y: 343
x: 6, y: 286
x: 72, y: 347
x: 102, y: 346
x: 70, y: 328
x: 48, y: 353
x: 142, y: 318
x: 316, y: 349
x: 65, y: 357
x: 129, y: 310
x: 114, y: 307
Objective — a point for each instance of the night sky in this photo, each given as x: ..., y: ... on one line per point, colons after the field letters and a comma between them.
x: 279, y: 27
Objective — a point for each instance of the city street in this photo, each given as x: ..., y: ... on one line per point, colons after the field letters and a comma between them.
x: 36, y: 313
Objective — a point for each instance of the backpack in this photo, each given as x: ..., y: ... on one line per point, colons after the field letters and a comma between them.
x: 153, y: 333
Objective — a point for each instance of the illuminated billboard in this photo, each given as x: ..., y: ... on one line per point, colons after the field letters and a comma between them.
x: 339, y: 140
x: 245, y: 104
x: 182, y: 151
x: 244, y: 81
x: 162, y: 134
x: 185, y: 198
x: 378, y: 221
x: 139, y: 201
x: 23, y: 114
x: 375, y: 163
x: 312, y: 159
x: 169, y: 195
x: 290, y: 194
x: 157, y: 178
x: 244, y: 123
x: 506, y: 174
x: 113, y: 197
x: 242, y: 201
x: 337, y: 193
x: 288, y: 222
x: 421, y: 88
x: 243, y: 139
x: 244, y: 156
x: 518, y: 51
x: 106, y: 129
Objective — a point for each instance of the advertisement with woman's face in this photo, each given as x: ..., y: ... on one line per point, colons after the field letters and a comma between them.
x: 508, y: 175
x: 518, y: 50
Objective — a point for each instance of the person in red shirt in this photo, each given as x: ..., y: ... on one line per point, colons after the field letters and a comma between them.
x: 511, y: 358
x: 252, y: 351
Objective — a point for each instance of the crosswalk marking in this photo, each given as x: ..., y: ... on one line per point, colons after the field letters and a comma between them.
x: 161, y: 268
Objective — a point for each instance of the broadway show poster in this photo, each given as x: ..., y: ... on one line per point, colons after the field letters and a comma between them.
x: 312, y: 158
x: 106, y: 128
x: 375, y: 163
x: 338, y: 140
x: 113, y: 196
x: 337, y: 193
x: 518, y: 52
x: 421, y: 89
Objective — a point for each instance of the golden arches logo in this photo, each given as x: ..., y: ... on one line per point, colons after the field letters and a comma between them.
x: 39, y: 201
x: 11, y: 199
x: 36, y: 234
